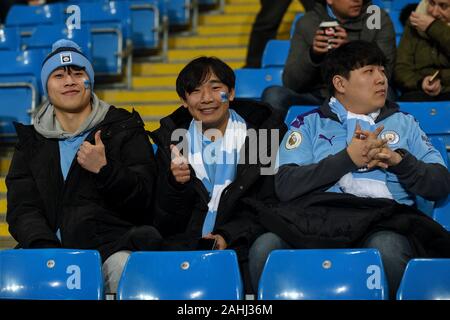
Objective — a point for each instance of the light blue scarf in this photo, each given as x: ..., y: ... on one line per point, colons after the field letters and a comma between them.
x: 363, y: 183
x: 215, y: 163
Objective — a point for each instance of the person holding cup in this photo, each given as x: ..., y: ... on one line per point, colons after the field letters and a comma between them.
x: 350, y: 20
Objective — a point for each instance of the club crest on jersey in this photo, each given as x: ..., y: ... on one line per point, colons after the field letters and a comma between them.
x: 294, y: 140
x: 392, y: 137
x: 66, y: 58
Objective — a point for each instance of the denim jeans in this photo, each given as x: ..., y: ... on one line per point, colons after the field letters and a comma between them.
x: 259, y: 252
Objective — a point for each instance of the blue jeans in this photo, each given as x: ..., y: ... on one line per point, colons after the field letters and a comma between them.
x: 259, y: 252
x: 394, y: 248
x: 395, y: 251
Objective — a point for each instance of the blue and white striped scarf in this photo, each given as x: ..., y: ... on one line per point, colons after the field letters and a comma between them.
x: 364, y: 183
x: 215, y: 163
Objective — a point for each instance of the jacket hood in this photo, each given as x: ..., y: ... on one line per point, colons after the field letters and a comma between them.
x: 46, y: 124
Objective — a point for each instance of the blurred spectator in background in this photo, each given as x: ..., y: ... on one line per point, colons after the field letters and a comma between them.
x: 265, y: 27
x: 302, y: 80
x: 422, y: 71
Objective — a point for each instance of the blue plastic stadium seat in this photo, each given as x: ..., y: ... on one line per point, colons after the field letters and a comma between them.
x: 275, y: 53
x: 295, y: 111
x: 432, y: 116
x: 146, y: 22
x: 9, y: 38
x: 250, y: 83
x: 19, y: 87
x: 26, y: 16
x: 425, y: 279
x: 109, y: 24
x: 43, y: 37
x: 326, y: 274
x: 179, y: 12
x: 51, y: 274
x: 186, y: 275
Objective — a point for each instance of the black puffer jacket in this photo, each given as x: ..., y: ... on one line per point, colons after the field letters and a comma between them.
x: 181, y: 209
x: 93, y: 211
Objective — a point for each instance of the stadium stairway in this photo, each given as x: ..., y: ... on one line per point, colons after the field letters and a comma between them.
x: 224, y: 35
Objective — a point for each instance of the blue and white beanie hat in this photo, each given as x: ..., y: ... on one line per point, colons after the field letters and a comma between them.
x: 65, y: 53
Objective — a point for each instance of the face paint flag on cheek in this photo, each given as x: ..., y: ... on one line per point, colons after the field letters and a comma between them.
x: 87, y: 84
x: 223, y: 96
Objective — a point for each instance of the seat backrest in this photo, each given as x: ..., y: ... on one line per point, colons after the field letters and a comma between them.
x: 432, y: 117
x: 250, y: 83
x: 25, y: 15
x: 295, y: 111
x: 325, y: 274
x: 145, y: 19
x: 9, y: 38
x: 43, y: 37
x: 275, y: 53
x: 425, y: 279
x: 50, y: 274
x: 186, y: 275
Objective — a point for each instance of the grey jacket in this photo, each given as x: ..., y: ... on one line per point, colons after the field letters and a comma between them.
x: 302, y: 74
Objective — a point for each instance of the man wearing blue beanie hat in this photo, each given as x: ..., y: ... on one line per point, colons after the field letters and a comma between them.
x: 82, y: 175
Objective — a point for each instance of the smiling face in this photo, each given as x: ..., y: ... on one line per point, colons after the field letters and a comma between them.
x: 364, y: 91
x: 67, y: 91
x: 206, y: 103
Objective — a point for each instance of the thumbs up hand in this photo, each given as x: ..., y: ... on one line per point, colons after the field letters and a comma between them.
x: 179, y: 166
x: 92, y: 157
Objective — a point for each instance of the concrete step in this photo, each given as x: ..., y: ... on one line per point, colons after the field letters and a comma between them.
x: 210, y: 41
x: 226, y: 54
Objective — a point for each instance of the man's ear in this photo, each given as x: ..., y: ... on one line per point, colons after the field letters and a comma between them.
x: 232, y: 94
x: 339, y: 83
x: 183, y: 103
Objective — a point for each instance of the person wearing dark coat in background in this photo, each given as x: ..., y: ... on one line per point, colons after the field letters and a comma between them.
x: 266, y: 26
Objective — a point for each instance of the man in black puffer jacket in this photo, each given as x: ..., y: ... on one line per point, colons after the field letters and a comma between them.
x: 82, y: 176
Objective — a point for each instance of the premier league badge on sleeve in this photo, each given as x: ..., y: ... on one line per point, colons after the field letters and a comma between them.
x: 294, y: 140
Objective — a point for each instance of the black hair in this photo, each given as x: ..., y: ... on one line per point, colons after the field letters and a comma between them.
x: 350, y: 56
x: 197, y: 71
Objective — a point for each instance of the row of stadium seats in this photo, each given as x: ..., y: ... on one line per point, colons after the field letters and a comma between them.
x: 332, y: 274
x: 109, y: 33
